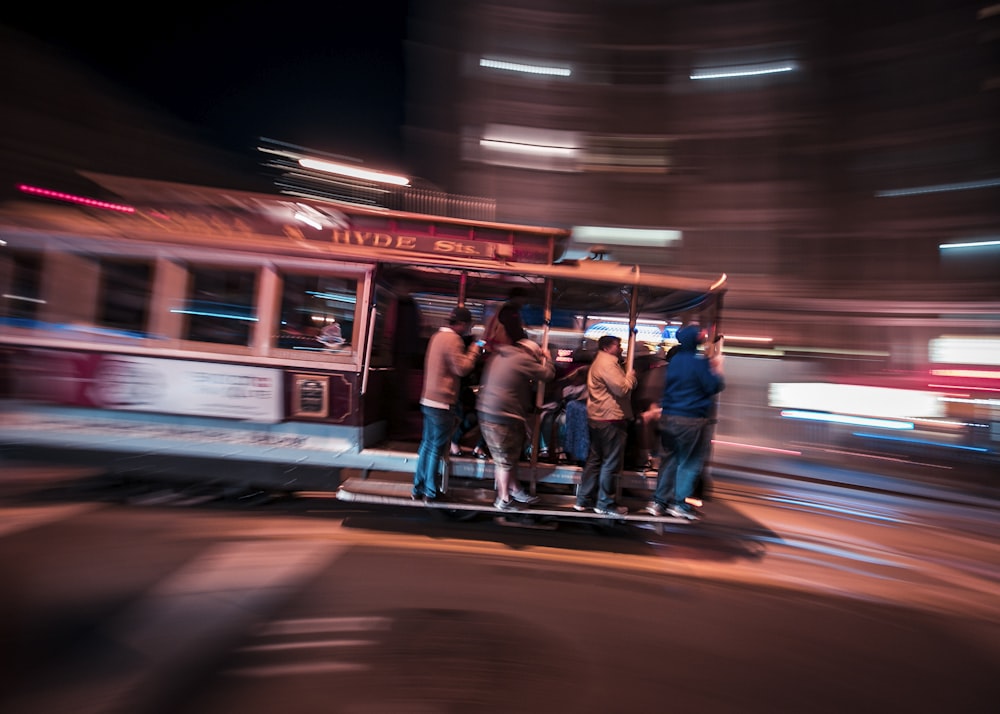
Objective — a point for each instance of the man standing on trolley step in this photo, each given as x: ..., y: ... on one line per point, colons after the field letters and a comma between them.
x: 447, y: 361
x: 609, y: 409
x: 687, y: 405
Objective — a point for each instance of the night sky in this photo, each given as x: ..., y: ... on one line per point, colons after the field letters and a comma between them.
x: 326, y: 76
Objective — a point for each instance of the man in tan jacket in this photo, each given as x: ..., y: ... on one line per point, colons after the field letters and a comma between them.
x: 609, y: 409
x: 446, y: 362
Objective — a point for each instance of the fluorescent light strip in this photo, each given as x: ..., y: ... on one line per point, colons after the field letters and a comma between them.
x: 939, y: 188
x: 746, y: 71
x: 345, y: 170
x: 567, y: 151
x: 844, y: 419
x: 975, y: 244
x: 525, y: 68
x: 625, y: 236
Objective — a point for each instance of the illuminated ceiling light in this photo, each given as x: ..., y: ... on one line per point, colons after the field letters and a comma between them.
x: 525, y: 68
x: 653, y: 237
x: 938, y: 188
x: 753, y: 70
x: 70, y: 198
x: 354, y: 171
x: 973, y: 244
x: 517, y: 146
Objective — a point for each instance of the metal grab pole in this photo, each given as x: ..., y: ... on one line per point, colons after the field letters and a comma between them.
x: 633, y: 313
x: 540, y: 387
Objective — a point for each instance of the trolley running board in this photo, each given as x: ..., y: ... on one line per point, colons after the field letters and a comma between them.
x: 398, y: 494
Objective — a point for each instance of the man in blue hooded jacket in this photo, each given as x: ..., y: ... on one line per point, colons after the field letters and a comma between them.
x: 687, y: 404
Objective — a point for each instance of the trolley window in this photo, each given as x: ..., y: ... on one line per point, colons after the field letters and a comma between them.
x: 317, y: 313
x: 219, y: 306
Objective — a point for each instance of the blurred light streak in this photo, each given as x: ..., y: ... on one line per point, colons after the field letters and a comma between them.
x: 525, y: 68
x: 354, y: 171
x: 745, y: 70
x: 970, y: 373
x: 226, y: 316
x: 981, y: 351
x: 939, y: 188
x: 756, y: 447
x: 884, y: 402
x: 501, y: 145
x: 958, y: 386
x: 880, y: 457
x: 921, y: 442
x: 836, y: 351
x: 299, y: 216
x: 71, y: 198
x: 845, y: 419
x: 816, y: 547
x: 743, y: 338
x: 659, y: 238
x: 349, y: 299
x: 22, y: 298
x: 974, y: 244
x: 983, y: 402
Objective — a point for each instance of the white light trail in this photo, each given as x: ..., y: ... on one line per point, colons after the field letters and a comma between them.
x: 354, y: 171
x: 525, y: 68
x: 567, y: 151
x: 745, y: 70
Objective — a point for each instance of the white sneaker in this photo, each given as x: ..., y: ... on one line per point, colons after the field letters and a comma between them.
x: 524, y: 497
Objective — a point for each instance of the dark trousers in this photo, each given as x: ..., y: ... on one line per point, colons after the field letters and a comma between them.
x: 604, y: 463
x: 682, y: 439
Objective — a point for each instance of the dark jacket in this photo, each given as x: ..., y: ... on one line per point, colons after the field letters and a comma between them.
x: 690, y: 385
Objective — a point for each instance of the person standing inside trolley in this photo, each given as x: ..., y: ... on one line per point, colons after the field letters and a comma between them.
x: 688, y: 404
x: 609, y: 409
x: 447, y: 361
x: 505, y: 402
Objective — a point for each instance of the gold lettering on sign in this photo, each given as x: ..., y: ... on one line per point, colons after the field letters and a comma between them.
x: 418, y: 244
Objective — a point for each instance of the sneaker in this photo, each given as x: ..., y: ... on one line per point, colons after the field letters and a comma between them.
x: 524, y: 497
x: 684, y: 512
x: 612, y: 511
x: 655, y: 509
x: 479, y: 453
x: 580, y: 508
x: 456, y: 450
x: 502, y: 505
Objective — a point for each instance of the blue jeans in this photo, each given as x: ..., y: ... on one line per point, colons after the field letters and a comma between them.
x: 439, y: 424
x: 604, y: 463
x: 682, y: 439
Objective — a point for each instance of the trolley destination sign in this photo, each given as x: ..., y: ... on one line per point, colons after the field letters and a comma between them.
x: 417, y: 244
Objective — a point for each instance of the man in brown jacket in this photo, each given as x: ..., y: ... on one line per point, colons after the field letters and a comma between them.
x: 609, y: 409
x: 446, y: 362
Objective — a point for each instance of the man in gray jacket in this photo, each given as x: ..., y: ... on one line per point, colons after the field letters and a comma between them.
x: 504, y: 404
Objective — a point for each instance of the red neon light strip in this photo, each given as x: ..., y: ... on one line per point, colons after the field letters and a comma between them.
x: 69, y: 198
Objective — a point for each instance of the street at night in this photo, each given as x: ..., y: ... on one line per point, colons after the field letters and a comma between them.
x: 134, y: 597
